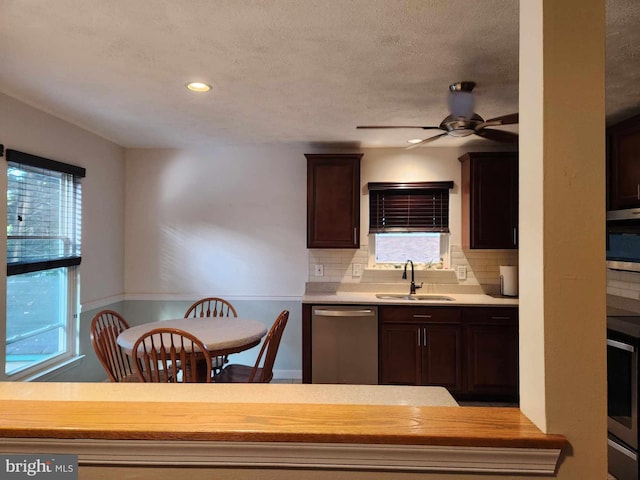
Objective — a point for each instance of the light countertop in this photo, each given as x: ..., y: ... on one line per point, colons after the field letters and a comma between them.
x: 369, y: 298
x: 228, y: 393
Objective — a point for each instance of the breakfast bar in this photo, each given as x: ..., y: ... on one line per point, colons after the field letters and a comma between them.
x: 119, y: 429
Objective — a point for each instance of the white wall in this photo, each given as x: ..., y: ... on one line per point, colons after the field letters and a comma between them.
x: 30, y: 130
x: 229, y: 221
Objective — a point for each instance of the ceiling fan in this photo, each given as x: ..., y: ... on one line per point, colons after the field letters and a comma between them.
x: 463, y: 121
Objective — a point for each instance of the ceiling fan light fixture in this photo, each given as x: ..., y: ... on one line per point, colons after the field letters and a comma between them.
x: 461, y: 132
x: 461, y: 127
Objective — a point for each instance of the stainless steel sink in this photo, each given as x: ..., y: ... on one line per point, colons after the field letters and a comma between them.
x: 424, y: 298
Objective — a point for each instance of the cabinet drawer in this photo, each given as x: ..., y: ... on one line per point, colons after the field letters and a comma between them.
x: 419, y: 314
x: 490, y: 315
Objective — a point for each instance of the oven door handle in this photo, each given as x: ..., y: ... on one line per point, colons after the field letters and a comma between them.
x: 620, y: 345
x: 622, y: 450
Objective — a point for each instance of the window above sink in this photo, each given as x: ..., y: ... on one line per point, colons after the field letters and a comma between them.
x: 409, y: 221
x: 426, y: 248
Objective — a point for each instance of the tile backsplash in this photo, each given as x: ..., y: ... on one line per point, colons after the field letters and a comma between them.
x: 483, y: 268
x: 342, y: 266
x: 623, y: 284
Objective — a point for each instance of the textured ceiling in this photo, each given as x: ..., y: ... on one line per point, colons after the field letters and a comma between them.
x: 282, y: 70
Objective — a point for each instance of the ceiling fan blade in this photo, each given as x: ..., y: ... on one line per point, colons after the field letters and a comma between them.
x: 503, y: 120
x: 497, y: 135
x: 426, y: 140
x: 397, y: 126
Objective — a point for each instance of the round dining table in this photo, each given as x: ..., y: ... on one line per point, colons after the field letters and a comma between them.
x: 221, y: 335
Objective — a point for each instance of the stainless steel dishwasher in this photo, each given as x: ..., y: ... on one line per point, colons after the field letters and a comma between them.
x: 344, y: 345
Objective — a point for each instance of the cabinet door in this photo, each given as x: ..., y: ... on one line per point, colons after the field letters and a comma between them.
x: 400, y: 356
x: 441, y: 350
x: 491, y: 338
x: 333, y: 201
x: 624, y: 164
x: 490, y: 200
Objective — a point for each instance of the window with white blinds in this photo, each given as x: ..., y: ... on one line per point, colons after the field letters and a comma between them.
x: 44, y: 213
x: 409, y: 207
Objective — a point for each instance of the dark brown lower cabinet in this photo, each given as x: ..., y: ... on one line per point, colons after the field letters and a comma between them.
x: 421, y: 346
x: 472, y: 351
x: 491, y: 352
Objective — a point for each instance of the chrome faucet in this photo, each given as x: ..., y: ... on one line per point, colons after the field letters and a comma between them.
x: 413, y: 287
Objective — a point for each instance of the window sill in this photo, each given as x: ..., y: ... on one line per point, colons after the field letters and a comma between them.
x: 50, y: 372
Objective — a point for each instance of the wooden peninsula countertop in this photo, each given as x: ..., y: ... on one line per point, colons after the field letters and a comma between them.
x: 283, y: 425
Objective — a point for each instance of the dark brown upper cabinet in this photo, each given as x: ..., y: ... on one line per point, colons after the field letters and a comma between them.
x: 624, y: 164
x: 490, y: 200
x: 333, y: 200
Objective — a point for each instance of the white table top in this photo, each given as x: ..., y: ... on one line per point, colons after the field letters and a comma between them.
x: 217, y: 333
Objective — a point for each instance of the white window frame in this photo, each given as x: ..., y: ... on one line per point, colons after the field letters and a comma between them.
x: 70, y: 352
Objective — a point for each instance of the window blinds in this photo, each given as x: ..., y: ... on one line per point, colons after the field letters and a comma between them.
x: 44, y: 213
x: 409, y: 207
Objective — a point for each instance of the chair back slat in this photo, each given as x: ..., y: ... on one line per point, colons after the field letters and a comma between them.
x: 171, y: 355
x: 105, y: 328
x: 211, y: 307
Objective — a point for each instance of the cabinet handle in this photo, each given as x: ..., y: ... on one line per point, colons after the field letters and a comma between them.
x: 424, y: 337
x: 500, y: 318
x: 418, y: 333
x: 515, y: 236
x: 639, y: 191
x: 621, y: 345
x: 355, y: 235
x: 417, y: 315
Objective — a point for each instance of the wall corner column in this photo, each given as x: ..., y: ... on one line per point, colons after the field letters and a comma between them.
x: 562, y: 221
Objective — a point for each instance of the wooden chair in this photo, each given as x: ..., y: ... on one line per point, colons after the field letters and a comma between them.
x: 246, y: 374
x: 213, y: 307
x: 105, y: 328
x: 171, y: 355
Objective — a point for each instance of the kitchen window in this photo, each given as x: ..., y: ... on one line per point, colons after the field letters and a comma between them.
x: 409, y: 221
x: 44, y: 224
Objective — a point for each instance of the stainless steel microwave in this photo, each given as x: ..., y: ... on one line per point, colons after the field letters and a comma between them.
x: 623, y: 239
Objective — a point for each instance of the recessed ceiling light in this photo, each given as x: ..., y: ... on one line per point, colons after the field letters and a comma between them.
x: 198, y: 87
x: 414, y: 140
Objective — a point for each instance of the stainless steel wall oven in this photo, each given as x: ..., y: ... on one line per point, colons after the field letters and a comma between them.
x: 623, y: 240
x: 623, y: 341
